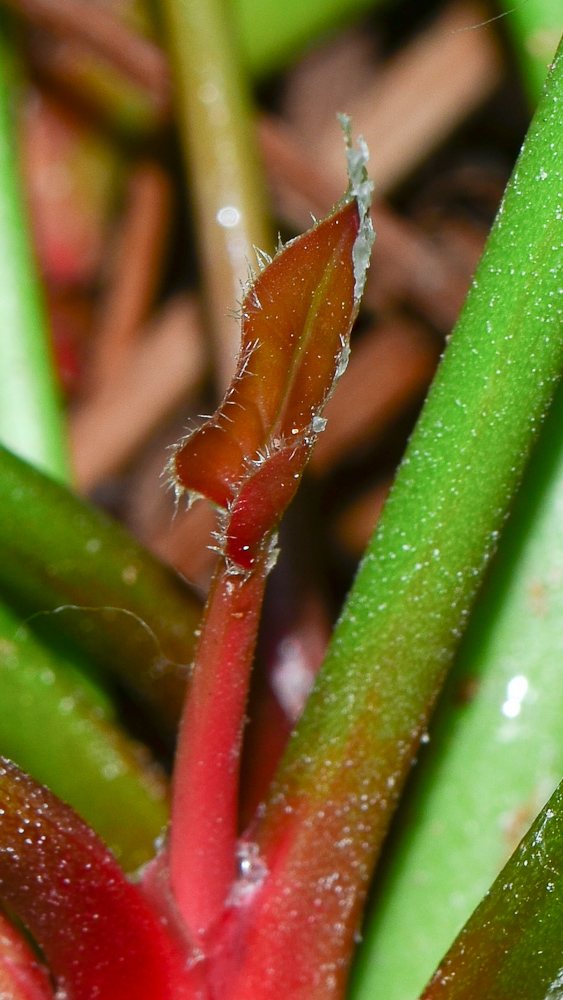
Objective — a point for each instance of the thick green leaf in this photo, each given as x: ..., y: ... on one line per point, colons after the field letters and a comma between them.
x: 53, y: 720
x: 30, y: 415
x: 55, y: 725
x: 83, y: 576
x: 495, y: 752
x: 511, y: 946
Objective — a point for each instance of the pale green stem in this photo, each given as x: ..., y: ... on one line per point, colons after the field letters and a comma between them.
x: 227, y: 188
x: 30, y: 413
x: 495, y: 750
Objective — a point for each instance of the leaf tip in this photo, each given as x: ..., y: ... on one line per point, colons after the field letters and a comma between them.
x: 361, y: 188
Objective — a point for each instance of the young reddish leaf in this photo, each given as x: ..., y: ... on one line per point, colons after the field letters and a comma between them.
x: 21, y: 975
x: 99, y: 936
x: 248, y: 458
x: 296, y: 321
x: 261, y: 499
x: 295, y: 317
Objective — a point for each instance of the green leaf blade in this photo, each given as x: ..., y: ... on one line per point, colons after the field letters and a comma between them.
x: 84, y: 577
x: 51, y: 714
x: 31, y: 421
x: 511, y: 946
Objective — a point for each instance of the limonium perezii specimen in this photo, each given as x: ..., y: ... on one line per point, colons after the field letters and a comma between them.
x: 187, y: 930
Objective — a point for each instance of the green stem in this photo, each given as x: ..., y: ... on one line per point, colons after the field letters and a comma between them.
x: 62, y: 731
x: 30, y: 415
x: 495, y: 751
x: 219, y: 145
x: 84, y: 578
x: 397, y: 635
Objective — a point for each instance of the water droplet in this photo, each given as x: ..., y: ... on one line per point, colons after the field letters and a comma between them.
x: 318, y: 424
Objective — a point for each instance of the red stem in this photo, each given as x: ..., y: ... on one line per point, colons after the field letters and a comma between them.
x: 205, y: 801
x: 21, y: 975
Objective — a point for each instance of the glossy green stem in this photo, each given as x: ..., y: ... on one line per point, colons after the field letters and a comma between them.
x: 536, y: 27
x: 409, y: 604
x: 495, y: 752
x: 511, y: 946
x: 82, y: 576
x: 227, y: 187
x: 30, y: 414
x: 59, y: 729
